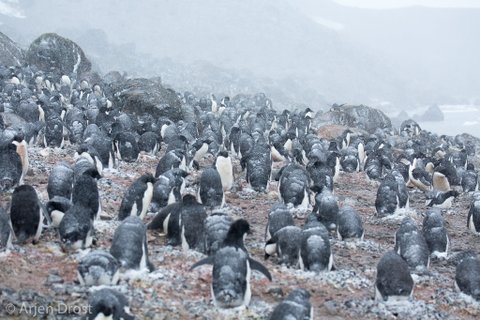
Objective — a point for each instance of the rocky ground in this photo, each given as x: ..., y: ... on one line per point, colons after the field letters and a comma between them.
x: 43, y: 276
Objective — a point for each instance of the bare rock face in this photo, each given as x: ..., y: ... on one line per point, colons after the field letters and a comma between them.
x: 10, y: 53
x: 51, y: 52
x: 361, y: 117
x: 145, y: 96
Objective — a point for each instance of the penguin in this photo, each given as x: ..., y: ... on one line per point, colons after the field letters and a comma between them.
x: 60, y: 181
x: 435, y: 234
x: 315, y: 250
x: 470, y: 179
x: 394, y: 281
x: 386, y: 202
x: 137, y: 197
x: 91, y: 154
x: 210, y: 191
x: 294, y: 186
x: 76, y: 228
x: 81, y: 166
x: 349, y: 224
x: 191, y: 224
x: 467, y: 277
x: 103, y: 145
x: 26, y: 214
x: 473, y: 219
x: 412, y: 246
x: 171, y: 159
x: 259, y: 165
x: 232, y: 267
x: 402, y: 191
x: 278, y: 217
x: 200, y: 148
x: 6, y: 232
x: 149, y: 142
x: 168, y: 188
x: 224, y: 166
x: 234, y: 141
x: 440, y: 182
x: 349, y: 160
x: 22, y: 150
x: 441, y: 199
x: 126, y: 147
x: 56, y: 208
x: 162, y: 221
x: 10, y: 167
x: 326, y: 208
x: 107, y: 303
x: 85, y: 192
x: 296, y: 306
x: 53, y: 136
x: 216, y: 228
x: 97, y: 268
x: 286, y: 244
x: 129, y: 245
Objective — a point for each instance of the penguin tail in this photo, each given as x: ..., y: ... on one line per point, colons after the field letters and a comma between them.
x: 208, y: 260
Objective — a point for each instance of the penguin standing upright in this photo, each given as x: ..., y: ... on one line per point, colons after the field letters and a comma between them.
x: 10, y: 167
x: 210, y: 191
x: 232, y: 269
x: 294, y: 186
x: 412, y: 246
x: 315, y: 250
x: 107, y: 303
x: 326, y: 208
x: 26, y: 214
x: 259, y: 165
x: 349, y: 224
x: 129, y: 245
x: 85, y: 192
x: 224, y: 166
x: 286, y: 244
x: 470, y: 179
x: 191, y: 224
x: 22, y: 150
x: 60, y: 181
x: 278, y: 217
x: 435, y: 234
x: 394, y: 281
x: 216, y: 228
x: 136, y: 199
x: 296, y: 306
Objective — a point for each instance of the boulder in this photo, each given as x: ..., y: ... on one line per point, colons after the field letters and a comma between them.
x: 361, y: 117
x: 10, y: 53
x: 53, y: 53
x: 145, y: 96
x: 433, y: 113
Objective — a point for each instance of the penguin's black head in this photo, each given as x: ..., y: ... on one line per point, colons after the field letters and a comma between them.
x: 105, y: 309
x: 223, y: 154
x: 19, y: 137
x: 189, y: 199
x: 239, y: 228
x: 148, y: 177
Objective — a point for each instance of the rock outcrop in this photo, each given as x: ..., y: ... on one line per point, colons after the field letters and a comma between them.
x: 10, y: 53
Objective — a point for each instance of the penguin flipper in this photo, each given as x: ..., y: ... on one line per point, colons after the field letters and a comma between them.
x: 255, y: 265
x: 208, y: 260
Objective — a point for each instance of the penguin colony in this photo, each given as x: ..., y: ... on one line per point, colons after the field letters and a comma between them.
x: 233, y: 146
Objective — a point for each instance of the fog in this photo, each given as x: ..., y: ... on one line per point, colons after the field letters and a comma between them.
x: 297, y: 52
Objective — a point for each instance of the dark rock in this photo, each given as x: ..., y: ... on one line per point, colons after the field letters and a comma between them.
x: 433, y: 113
x: 362, y: 117
x: 10, y: 53
x: 144, y: 96
x: 51, y: 52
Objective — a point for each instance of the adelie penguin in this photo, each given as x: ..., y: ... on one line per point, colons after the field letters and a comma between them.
x: 435, y: 234
x: 473, y: 219
x: 441, y: 199
x: 91, y: 154
x: 470, y: 179
x: 294, y: 186
x: 60, y: 181
x: 136, y: 199
x: 168, y: 188
x: 85, y: 192
x: 232, y: 267
x: 394, y: 282
x: 286, y: 244
x: 326, y: 208
x: 26, y: 214
x: 22, y: 150
x: 412, y: 246
x: 126, y: 147
x: 349, y: 224
x: 315, y: 250
x: 97, y: 268
x: 278, y: 217
x: 129, y: 245
x: 259, y: 165
x: 224, y: 166
x: 10, y: 167
x: 108, y: 303
x: 216, y: 229
x: 210, y: 191
x: 467, y: 277
x: 191, y: 224
x: 296, y: 306
x: 171, y: 159
x: 76, y: 228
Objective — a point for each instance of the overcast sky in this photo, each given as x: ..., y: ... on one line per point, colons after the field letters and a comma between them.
x: 387, y: 4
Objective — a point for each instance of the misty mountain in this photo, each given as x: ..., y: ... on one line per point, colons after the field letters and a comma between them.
x: 276, y: 47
